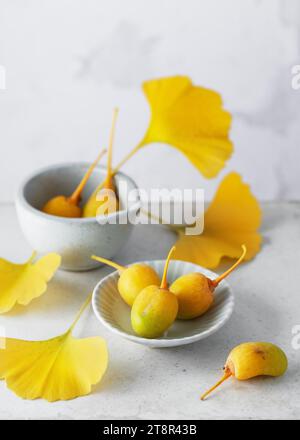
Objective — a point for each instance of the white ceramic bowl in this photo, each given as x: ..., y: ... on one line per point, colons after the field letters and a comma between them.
x: 74, y: 239
x: 114, y: 314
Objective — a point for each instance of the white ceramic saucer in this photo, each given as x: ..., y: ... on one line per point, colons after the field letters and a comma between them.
x: 114, y: 314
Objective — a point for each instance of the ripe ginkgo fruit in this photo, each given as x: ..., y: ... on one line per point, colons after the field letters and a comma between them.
x: 155, y: 308
x: 133, y: 279
x: 59, y: 368
x: 252, y: 359
x: 63, y: 206
x: 195, y: 292
x: 21, y: 283
x: 232, y: 218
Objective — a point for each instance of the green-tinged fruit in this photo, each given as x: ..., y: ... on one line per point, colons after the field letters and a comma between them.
x: 155, y: 308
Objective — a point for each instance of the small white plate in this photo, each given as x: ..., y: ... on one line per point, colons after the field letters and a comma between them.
x: 114, y: 314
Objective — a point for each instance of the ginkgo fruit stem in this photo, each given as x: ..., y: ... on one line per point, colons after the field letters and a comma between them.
x: 109, y: 263
x: 164, y: 283
x: 231, y: 269
x: 82, y: 309
x: 74, y: 198
x: 226, y: 376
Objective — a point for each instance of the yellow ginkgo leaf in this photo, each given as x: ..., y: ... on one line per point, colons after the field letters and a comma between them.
x: 21, y: 283
x: 232, y: 219
x: 189, y: 118
x: 60, y: 368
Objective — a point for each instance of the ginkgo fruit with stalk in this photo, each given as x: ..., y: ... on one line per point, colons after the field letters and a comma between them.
x: 252, y: 359
x: 195, y: 292
x: 133, y: 279
x: 155, y: 308
x: 62, y: 206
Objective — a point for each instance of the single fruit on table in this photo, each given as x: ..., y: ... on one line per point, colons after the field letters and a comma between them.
x: 104, y: 199
x: 195, y: 292
x: 63, y: 206
x: 253, y: 359
x: 133, y: 279
x: 155, y: 308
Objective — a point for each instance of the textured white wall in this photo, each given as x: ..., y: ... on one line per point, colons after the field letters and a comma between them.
x: 68, y: 62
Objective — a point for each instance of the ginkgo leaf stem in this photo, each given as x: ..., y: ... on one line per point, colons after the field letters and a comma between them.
x: 82, y: 309
x: 33, y: 256
x: 127, y: 157
x: 74, y: 198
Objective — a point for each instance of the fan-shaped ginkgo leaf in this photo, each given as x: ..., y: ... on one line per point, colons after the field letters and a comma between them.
x: 232, y: 219
x: 191, y: 119
x: 60, y: 368
x: 21, y: 283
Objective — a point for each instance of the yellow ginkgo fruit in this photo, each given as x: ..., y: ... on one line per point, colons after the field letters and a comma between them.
x: 232, y: 218
x: 189, y: 118
x: 252, y: 359
x: 21, y: 283
x: 60, y: 368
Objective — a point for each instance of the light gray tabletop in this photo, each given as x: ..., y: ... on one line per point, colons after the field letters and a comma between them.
x: 148, y: 383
